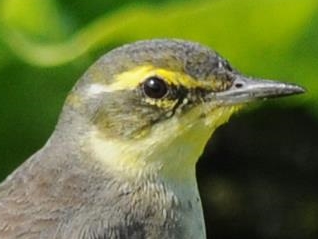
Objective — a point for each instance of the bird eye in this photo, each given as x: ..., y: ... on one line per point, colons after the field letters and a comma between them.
x: 155, y: 88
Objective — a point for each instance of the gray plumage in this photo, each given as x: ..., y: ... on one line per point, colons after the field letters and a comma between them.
x: 59, y: 196
x: 82, y: 183
x: 58, y: 193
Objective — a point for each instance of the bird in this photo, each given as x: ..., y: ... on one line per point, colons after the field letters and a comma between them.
x: 120, y: 163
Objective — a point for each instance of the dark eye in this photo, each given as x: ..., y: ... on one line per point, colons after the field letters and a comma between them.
x: 155, y: 88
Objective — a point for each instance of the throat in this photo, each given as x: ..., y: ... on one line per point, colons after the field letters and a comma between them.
x: 169, y: 159
x: 157, y: 179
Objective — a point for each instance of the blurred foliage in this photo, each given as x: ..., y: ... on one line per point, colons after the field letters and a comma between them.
x: 261, y: 181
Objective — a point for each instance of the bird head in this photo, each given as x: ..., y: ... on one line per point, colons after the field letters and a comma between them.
x: 151, y: 106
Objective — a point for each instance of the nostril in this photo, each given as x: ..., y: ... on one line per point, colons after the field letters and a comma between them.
x: 238, y: 85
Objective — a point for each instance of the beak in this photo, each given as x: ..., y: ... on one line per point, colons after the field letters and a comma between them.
x: 244, y: 90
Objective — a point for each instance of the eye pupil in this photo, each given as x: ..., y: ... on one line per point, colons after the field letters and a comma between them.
x: 155, y: 88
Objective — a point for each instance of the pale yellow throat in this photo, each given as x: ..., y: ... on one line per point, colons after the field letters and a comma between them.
x: 170, y: 149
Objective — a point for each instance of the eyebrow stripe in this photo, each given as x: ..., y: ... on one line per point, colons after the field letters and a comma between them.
x: 96, y: 89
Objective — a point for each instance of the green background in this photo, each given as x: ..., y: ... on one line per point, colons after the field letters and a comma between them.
x: 258, y: 174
